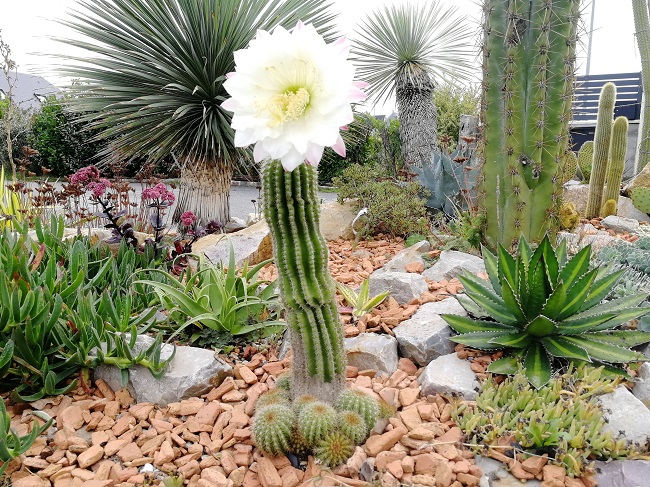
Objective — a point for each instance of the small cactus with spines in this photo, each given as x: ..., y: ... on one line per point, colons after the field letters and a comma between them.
x: 569, y: 167
x: 386, y: 410
x: 361, y: 403
x: 334, y: 449
x: 273, y: 427
x: 272, y: 397
x: 316, y: 420
x: 616, y: 164
x: 353, y: 426
x: 569, y: 216
x: 641, y: 199
x: 301, y: 401
x: 609, y: 208
x: 585, y: 159
x: 284, y: 382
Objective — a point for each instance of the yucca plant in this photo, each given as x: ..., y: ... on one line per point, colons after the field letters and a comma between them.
x: 361, y: 302
x: 152, y: 74
x: 543, y: 306
x: 404, y: 50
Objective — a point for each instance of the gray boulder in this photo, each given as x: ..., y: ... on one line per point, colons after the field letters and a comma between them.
x: 192, y: 372
x: 578, y: 241
x: 620, y: 224
x: 627, y: 417
x: 452, y: 263
x: 403, y: 286
x: 642, y: 386
x: 372, y: 351
x: 235, y: 224
x: 336, y: 220
x: 406, y: 256
x: 449, y: 375
x: 252, y: 244
x: 578, y: 195
x: 623, y: 473
x: 425, y: 335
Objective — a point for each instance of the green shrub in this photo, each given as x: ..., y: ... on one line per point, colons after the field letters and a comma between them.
x: 394, y: 207
x: 543, y: 307
x: 561, y: 418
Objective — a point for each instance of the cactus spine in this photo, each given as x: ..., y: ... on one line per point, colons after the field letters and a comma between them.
x: 616, y: 165
x: 585, y: 158
x: 642, y: 27
x: 291, y: 208
x: 528, y: 70
x: 569, y: 167
x: 602, y: 139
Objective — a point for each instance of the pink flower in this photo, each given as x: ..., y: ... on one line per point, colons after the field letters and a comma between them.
x: 85, y: 175
x: 159, y: 192
x: 150, y: 194
x: 98, y: 188
x: 188, y: 218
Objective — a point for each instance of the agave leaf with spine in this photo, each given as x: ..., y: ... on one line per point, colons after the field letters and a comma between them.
x: 542, y: 306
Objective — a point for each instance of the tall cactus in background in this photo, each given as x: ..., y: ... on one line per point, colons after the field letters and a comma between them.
x: 615, y: 167
x: 585, y: 158
x: 602, y: 140
x: 528, y: 72
x: 291, y: 208
x: 642, y: 27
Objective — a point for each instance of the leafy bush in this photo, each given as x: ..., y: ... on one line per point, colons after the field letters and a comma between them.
x: 229, y: 302
x: 544, y: 306
x: 394, y: 207
x: 453, y: 100
x: 20, y: 126
x: 561, y: 418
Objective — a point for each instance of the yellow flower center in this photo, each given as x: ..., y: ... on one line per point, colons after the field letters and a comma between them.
x: 287, y: 106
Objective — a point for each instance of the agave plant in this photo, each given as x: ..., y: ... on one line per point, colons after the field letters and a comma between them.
x: 545, y: 306
x: 361, y: 302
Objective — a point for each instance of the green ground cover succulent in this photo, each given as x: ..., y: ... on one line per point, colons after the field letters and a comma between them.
x: 543, y: 306
x: 561, y: 418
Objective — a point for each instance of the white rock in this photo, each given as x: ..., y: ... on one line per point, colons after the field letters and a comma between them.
x: 252, y: 244
x: 449, y: 375
x: 576, y: 242
x: 623, y: 473
x: 372, y: 351
x: 403, y: 286
x: 406, y: 256
x: 336, y: 220
x: 626, y: 416
x: 451, y: 263
x: 425, y: 335
x: 642, y: 386
x: 235, y: 225
x: 620, y: 224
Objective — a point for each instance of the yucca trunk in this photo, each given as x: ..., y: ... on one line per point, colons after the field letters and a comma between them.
x: 292, y: 210
x: 205, y: 190
x: 418, y: 119
x: 528, y: 72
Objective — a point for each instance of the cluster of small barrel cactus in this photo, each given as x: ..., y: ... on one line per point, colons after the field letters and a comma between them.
x: 307, y: 425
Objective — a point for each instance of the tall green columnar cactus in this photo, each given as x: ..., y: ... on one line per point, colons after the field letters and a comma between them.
x: 585, y: 158
x: 291, y: 208
x: 642, y: 27
x: 602, y: 140
x: 528, y: 72
x: 616, y: 165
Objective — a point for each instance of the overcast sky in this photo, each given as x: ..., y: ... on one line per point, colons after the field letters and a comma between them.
x: 26, y: 24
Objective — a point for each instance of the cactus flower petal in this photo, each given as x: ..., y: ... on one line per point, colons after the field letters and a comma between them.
x: 291, y: 95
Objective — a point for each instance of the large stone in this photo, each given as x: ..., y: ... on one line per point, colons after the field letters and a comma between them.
x: 579, y: 193
x: 452, y: 263
x: 336, y: 220
x: 623, y: 473
x: 192, y: 372
x: 576, y: 242
x: 626, y: 416
x: 404, y: 287
x: 407, y: 256
x: 425, y: 335
x: 642, y: 386
x: 252, y: 244
x: 372, y: 351
x: 235, y: 225
x: 449, y: 375
x: 620, y: 224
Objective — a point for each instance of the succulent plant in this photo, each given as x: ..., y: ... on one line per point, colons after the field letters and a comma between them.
x: 569, y: 167
x: 284, y: 382
x: 334, y: 449
x: 361, y: 302
x: 615, y: 166
x: 528, y: 63
x: 316, y: 420
x: 353, y: 426
x: 569, y: 217
x: 585, y: 159
x: 544, y: 306
x: 301, y: 401
x: 361, y: 403
x: 562, y: 416
x: 273, y: 427
x: 641, y: 199
x: 274, y: 396
x: 610, y: 207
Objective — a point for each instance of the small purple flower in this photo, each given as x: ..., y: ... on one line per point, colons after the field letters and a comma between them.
x: 188, y: 218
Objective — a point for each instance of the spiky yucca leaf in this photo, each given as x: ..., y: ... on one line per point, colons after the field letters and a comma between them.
x: 543, y: 306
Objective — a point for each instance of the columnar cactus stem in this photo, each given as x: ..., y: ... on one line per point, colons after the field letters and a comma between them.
x: 291, y: 209
x: 602, y: 140
x: 642, y: 27
x: 528, y: 70
x: 616, y: 165
x: 585, y: 159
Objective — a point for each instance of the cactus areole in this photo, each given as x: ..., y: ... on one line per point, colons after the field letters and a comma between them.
x: 528, y: 72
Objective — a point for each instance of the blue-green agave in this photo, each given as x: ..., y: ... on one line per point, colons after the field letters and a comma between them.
x: 543, y: 306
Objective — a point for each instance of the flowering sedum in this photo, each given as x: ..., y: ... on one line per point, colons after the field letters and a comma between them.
x: 291, y: 94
